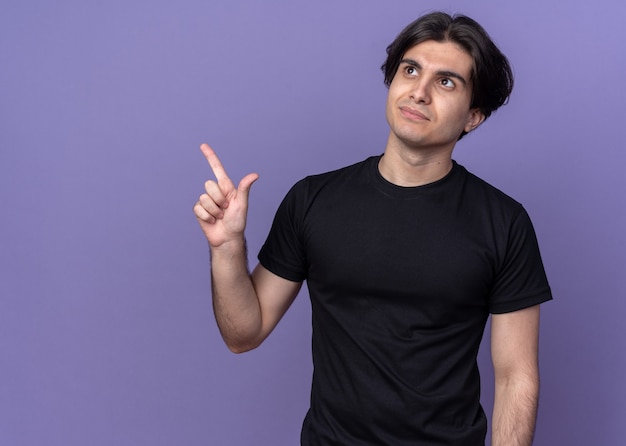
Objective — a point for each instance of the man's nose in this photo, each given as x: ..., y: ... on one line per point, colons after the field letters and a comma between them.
x: 421, y: 91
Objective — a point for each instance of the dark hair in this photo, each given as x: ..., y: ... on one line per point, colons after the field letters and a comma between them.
x: 492, y: 77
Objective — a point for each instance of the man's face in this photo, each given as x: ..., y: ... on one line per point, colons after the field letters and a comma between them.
x: 428, y: 105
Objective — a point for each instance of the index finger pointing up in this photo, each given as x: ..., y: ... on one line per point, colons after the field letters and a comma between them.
x: 216, y: 165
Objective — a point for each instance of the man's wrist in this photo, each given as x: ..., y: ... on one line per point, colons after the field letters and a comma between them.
x: 230, y: 248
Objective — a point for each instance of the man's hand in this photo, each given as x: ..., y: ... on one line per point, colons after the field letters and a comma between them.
x: 247, y: 307
x: 222, y: 210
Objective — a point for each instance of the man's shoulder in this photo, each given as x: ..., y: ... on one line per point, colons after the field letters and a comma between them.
x: 345, y: 170
x: 479, y: 186
x: 320, y: 180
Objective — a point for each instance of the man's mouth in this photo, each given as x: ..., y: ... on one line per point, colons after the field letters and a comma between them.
x: 413, y: 114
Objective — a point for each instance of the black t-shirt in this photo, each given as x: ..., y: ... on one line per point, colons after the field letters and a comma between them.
x: 401, y: 282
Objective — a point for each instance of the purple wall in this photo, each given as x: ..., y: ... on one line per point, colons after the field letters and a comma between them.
x: 106, y: 330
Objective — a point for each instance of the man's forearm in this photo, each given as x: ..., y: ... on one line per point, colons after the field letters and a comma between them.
x: 235, y: 302
x: 515, y: 412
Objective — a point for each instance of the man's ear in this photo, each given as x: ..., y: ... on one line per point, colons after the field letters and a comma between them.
x: 474, y: 119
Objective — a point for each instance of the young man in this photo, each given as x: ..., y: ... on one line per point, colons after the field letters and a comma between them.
x: 405, y: 256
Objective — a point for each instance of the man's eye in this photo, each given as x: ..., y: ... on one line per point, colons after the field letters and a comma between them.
x: 446, y: 82
x: 411, y: 71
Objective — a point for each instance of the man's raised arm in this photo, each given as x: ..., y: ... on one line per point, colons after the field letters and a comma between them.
x: 247, y: 306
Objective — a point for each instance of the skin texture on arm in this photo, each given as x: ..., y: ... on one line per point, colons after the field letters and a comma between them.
x: 514, y: 349
x: 247, y: 306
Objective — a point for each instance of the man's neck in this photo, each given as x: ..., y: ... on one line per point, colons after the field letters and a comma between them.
x: 408, y: 167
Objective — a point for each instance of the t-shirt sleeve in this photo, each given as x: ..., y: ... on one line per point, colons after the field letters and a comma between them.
x: 283, y: 251
x: 521, y: 281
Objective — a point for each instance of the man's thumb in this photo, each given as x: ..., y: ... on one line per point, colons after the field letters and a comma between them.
x: 245, y: 184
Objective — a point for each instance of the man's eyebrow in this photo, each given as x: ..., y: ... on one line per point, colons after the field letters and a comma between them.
x: 445, y: 73
x: 411, y: 62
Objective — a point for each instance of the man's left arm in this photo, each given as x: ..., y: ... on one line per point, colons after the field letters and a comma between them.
x: 514, y: 351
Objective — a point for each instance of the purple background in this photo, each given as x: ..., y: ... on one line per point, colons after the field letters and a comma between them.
x: 106, y: 330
